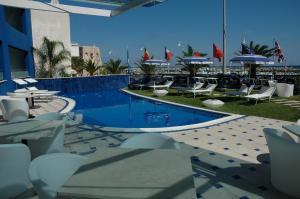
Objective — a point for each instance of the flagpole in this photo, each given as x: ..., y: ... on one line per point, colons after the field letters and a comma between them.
x: 224, y: 35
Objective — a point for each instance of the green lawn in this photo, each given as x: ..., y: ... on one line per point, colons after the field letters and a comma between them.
x: 234, y: 105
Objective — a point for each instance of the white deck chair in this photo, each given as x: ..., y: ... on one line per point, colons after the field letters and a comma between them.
x: 49, y: 172
x: 244, y: 90
x: 166, y: 85
x: 208, y: 89
x: 196, y: 86
x: 285, y: 161
x: 14, y: 166
x: 15, y: 109
x: 3, y: 111
x: 265, y: 93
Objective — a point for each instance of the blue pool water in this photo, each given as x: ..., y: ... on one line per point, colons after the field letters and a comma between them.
x: 113, y: 108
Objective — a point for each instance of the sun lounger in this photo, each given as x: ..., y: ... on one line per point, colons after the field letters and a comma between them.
x: 196, y: 86
x: 265, y: 93
x: 244, y: 90
x: 208, y: 89
x: 167, y: 85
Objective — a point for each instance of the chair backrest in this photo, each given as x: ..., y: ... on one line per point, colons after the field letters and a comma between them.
x: 53, y: 144
x: 32, y: 88
x: 251, y: 87
x: 198, y: 85
x: 16, y: 109
x: 211, y: 87
x: 244, y: 88
x: 150, y: 141
x: 4, y: 114
x: 285, y: 161
x: 49, y: 172
x: 169, y: 83
x: 269, y: 92
x: 14, y: 165
x: 298, y: 122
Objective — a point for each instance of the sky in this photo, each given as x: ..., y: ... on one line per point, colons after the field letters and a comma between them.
x: 176, y: 23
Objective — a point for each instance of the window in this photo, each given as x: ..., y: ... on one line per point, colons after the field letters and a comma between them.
x: 18, y: 62
x: 14, y: 17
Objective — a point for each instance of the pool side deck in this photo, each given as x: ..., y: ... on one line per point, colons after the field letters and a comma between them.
x: 229, y: 159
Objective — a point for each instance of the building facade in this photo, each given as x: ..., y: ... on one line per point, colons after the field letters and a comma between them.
x: 90, y: 53
x: 16, y: 60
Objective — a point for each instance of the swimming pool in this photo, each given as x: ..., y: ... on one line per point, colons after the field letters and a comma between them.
x: 114, y: 108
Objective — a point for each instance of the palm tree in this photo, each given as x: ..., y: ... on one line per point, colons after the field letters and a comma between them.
x: 192, y: 69
x: 91, y: 67
x: 145, y: 68
x: 50, y: 55
x: 257, y: 49
x: 115, y: 67
x: 78, y: 65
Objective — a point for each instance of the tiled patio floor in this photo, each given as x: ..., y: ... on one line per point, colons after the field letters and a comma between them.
x: 229, y: 160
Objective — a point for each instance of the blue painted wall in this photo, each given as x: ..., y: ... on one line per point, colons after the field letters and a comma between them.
x: 84, y: 84
x: 9, y: 36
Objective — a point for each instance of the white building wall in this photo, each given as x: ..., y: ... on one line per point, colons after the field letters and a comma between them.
x: 75, y: 50
x: 54, y: 26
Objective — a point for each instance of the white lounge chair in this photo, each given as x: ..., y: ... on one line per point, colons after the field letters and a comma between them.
x: 265, y: 93
x: 208, y: 89
x: 196, y: 86
x: 285, y: 161
x: 4, y: 114
x: 15, y: 109
x: 14, y: 165
x: 31, y: 80
x: 49, y: 172
x: 244, y: 90
x: 166, y: 85
x: 53, y: 144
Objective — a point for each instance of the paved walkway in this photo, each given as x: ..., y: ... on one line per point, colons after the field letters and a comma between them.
x: 286, y: 102
x: 229, y: 160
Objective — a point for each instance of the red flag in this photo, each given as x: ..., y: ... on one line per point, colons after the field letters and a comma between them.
x: 146, y: 55
x: 168, y: 54
x: 197, y: 54
x: 279, y: 52
x: 217, y: 52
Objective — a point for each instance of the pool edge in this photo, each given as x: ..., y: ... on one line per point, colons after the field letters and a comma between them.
x: 228, y: 118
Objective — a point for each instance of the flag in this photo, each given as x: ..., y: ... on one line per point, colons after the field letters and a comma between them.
x: 168, y: 54
x: 246, y: 49
x: 197, y: 54
x: 146, y: 55
x: 279, y: 52
x: 217, y: 52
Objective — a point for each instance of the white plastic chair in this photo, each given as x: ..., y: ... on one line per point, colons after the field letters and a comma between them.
x: 53, y: 144
x: 49, y: 172
x: 285, y: 161
x: 14, y: 165
x: 15, y: 109
x: 4, y: 114
x: 151, y: 141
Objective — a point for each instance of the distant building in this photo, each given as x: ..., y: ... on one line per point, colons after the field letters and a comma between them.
x: 75, y: 50
x: 90, y: 53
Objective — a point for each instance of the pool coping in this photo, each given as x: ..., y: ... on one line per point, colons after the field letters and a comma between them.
x: 70, y: 104
x: 228, y: 118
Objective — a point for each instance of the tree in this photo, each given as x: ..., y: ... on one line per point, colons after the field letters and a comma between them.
x: 50, y: 55
x: 115, y: 67
x: 257, y: 49
x: 146, y: 68
x: 192, y: 69
x: 91, y: 67
x: 78, y: 65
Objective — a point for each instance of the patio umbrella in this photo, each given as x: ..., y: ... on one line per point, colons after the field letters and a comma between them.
x: 157, y: 62
x: 195, y: 60
x: 252, y: 59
